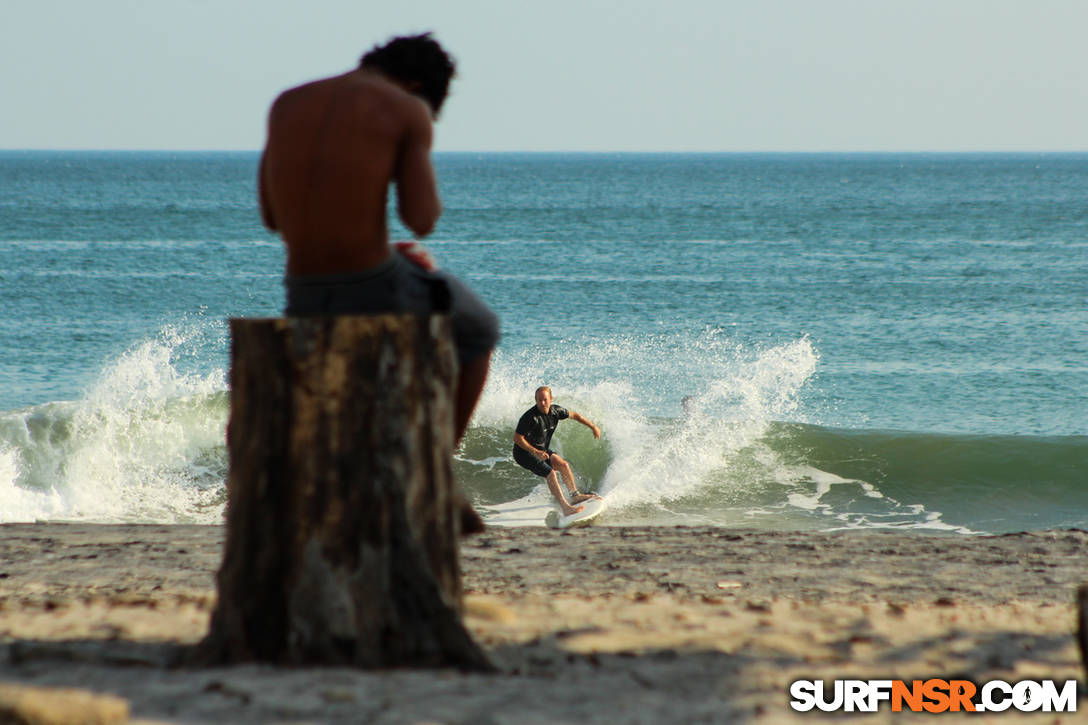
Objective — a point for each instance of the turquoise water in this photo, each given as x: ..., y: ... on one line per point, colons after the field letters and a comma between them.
x: 863, y: 340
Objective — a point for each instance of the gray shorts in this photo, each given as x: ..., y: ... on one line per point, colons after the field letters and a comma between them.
x: 397, y: 285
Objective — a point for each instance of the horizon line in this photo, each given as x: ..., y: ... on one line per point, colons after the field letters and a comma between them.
x: 576, y: 151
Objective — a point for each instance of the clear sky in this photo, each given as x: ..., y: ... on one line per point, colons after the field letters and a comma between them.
x: 565, y: 75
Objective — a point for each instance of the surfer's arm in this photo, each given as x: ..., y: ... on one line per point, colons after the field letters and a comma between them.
x: 586, y: 422
x: 522, y: 442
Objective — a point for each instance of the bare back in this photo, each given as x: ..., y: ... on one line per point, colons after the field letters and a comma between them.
x: 333, y: 148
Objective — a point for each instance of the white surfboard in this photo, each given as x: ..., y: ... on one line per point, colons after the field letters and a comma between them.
x: 591, y: 509
x: 530, y: 510
x: 526, y: 511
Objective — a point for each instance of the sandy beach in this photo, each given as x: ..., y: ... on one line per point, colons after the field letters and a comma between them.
x: 598, y: 625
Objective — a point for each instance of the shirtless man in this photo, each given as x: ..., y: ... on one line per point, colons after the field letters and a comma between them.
x: 532, y: 437
x: 334, y: 146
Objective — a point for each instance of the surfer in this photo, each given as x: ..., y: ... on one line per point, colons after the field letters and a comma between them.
x: 334, y: 147
x: 531, y: 440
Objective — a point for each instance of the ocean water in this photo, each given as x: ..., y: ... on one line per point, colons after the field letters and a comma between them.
x: 781, y: 341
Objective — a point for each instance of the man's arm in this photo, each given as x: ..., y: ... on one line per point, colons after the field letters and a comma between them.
x: 262, y: 197
x: 417, y: 189
x: 586, y: 423
x: 522, y: 442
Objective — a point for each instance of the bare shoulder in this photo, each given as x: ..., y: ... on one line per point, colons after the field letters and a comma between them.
x: 363, y: 87
x: 300, y: 97
x: 411, y: 108
x: 418, y: 123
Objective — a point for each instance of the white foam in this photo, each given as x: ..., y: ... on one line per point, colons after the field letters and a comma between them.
x: 20, y: 504
x: 808, y: 488
x: 133, y: 449
x: 745, y: 392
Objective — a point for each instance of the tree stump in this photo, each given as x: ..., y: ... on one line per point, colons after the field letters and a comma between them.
x: 342, y: 519
x: 1082, y: 627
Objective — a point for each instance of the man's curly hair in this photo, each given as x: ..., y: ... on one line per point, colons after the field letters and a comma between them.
x: 415, y: 59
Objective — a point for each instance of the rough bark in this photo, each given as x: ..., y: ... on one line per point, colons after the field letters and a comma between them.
x: 342, y: 518
x: 1082, y: 627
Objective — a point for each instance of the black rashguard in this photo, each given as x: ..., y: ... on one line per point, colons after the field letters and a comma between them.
x: 538, y: 428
